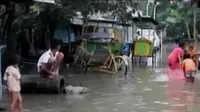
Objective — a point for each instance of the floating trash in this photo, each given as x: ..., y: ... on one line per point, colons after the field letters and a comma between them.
x: 76, y: 89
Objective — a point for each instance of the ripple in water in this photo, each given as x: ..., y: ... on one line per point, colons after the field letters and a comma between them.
x: 161, y: 78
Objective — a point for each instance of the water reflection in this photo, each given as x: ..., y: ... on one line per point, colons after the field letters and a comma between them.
x: 181, y: 96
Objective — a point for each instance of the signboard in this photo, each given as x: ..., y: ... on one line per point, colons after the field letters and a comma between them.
x: 143, y: 48
x: 46, y: 1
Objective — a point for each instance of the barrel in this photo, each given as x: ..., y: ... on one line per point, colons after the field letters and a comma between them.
x: 38, y: 84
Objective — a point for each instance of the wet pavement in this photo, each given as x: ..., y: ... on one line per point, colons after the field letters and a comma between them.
x: 144, y: 90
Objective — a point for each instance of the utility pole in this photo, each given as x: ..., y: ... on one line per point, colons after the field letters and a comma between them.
x: 194, y: 22
x: 147, y: 6
x: 154, y: 10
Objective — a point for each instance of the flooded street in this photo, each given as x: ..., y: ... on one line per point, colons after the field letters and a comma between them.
x: 144, y: 90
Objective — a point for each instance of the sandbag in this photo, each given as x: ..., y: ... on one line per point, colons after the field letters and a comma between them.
x: 39, y: 84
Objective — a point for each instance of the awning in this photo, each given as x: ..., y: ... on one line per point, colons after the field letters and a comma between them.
x: 16, y: 1
x: 46, y: 1
x: 145, y: 22
x: 100, y: 22
x: 23, y: 1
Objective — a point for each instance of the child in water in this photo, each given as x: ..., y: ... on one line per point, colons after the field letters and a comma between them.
x: 12, y: 77
x: 189, y: 67
x: 193, y: 53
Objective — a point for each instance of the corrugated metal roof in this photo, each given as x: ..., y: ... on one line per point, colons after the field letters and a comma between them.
x: 145, y: 20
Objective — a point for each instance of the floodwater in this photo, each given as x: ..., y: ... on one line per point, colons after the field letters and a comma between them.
x: 144, y: 90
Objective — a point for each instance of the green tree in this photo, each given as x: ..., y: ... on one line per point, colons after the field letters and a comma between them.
x: 50, y: 15
x: 181, y: 18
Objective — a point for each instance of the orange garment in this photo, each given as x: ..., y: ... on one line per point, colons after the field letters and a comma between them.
x: 188, y: 65
x: 193, y: 55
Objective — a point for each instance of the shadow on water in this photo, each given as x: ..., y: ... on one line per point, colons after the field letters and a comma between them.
x: 144, y: 90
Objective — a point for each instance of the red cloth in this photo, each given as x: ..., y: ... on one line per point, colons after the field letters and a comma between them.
x: 173, y: 60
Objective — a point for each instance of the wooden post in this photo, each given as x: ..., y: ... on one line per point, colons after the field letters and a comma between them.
x: 69, y: 39
x: 1, y: 86
x: 161, y: 47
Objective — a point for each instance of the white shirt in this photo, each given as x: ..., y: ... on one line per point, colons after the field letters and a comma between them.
x: 44, y: 58
x: 12, y: 76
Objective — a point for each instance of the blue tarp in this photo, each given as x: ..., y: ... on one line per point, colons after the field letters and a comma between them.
x: 64, y: 34
x: 126, y: 49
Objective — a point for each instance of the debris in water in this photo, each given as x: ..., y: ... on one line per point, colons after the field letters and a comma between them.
x: 76, y: 89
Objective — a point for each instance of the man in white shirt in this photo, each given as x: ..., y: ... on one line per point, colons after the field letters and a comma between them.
x: 49, y: 63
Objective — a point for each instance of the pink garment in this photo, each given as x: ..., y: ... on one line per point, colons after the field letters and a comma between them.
x: 56, y: 61
x: 12, y: 76
x: 173, y: 60
x: 175, y: 74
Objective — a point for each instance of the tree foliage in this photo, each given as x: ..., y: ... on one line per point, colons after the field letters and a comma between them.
x: 68, y: 8
x: 19, y: 16
x: 180, y: 19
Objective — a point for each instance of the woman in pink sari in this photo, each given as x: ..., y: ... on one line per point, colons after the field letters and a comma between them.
x: 174, y: 62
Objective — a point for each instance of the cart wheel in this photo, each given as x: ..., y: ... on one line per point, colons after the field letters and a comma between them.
x: 121, y: 65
